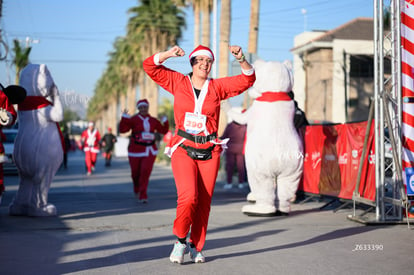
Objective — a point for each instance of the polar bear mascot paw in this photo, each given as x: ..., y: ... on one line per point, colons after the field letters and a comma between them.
x: 274, y: 151
x: 38, y: 151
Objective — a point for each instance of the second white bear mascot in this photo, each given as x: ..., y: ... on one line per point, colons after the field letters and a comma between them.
x: 38, y: 149
x: 274, y: 151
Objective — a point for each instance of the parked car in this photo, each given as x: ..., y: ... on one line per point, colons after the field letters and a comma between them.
x: 8, y: 166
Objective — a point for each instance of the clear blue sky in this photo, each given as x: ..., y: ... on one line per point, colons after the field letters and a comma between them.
x: 74, y: 37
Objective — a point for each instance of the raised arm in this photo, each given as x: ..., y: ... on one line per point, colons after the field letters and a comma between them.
x: 237, y: 52
x: 172, y: 52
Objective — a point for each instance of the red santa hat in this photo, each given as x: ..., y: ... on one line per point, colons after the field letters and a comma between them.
x: 202, y: 50
x: 142, y: 102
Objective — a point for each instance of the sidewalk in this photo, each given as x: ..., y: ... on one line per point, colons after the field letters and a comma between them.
x: 102, y: 229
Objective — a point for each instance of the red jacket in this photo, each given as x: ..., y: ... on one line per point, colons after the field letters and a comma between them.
x: 90, y: 140
x: 208, y: 102
x: 5, y: 104
x: 142, y: 141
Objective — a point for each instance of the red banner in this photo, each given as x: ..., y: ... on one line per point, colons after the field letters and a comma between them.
x: 332, y: 158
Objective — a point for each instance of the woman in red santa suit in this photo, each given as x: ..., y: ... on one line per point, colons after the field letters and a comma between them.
x: 90, y: 141
x: 142, y: 148
x: 8, y: 116
x: 195, y: 149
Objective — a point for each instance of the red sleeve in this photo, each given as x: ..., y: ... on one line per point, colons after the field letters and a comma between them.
x: 125, y: 124
x: 162, y: 128
x: 83, y: 136
x: 233, y: 85
x: 4, y: 103
x: 163, y: 76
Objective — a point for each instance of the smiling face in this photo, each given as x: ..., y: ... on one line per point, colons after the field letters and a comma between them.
x: 143, y: 109
x: 201, y: 66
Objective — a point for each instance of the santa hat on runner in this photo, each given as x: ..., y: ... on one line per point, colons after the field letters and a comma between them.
x: 142, y: 102
x: 202, y: 50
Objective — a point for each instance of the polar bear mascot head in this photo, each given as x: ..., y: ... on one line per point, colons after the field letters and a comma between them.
x: 271, y: 76
x: 273, y: 148
x: 38, y: 150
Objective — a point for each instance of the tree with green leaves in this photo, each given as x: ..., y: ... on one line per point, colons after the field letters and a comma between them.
x: 21, y: 58
x: 155, y: 25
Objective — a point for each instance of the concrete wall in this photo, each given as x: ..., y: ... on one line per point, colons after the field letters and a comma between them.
x: 341, y: 66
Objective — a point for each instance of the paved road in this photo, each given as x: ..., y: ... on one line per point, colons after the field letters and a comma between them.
x: 102, y: 229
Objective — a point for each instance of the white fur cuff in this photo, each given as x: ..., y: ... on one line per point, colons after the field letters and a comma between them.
x: 248, y: 72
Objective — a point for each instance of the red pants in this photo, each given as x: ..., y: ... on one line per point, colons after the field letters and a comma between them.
x: 90, y: 160
x: 141, y: 168
x: 195, y: 181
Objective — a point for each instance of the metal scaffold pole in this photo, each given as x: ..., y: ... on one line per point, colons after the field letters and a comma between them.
x: 390, y: 195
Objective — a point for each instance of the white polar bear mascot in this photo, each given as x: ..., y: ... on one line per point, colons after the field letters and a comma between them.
x: 274, y: 151
x: 38, y: 150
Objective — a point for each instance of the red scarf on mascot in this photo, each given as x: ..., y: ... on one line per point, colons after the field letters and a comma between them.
x: 273, y: 96
x: 37, y: 102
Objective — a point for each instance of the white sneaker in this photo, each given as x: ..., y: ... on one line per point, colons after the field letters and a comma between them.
x: 228, y: 186
x: 196, y: 256
x: 177, y: 255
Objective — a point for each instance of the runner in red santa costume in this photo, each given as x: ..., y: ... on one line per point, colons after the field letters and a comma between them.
x: 13, y: 94
x: 195, y: 149
x: 90, y: 141
x: 142, y: 149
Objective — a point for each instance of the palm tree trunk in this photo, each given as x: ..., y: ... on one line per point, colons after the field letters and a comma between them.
x: 205, y: 10
x: 253, y: 37
x: 254, y: 26
x: 225, y: 19
x: 131, y: 98
x: 197, y: 16
x: 113, y: 116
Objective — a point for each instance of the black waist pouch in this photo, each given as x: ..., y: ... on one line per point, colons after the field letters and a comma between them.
x: 138, y: 140
x: 198, y: 154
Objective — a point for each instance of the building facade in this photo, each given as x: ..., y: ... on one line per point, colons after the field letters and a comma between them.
x: 334, y: 72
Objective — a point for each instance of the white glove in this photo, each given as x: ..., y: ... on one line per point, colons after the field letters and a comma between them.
x: 5, y: 117
x: 164, y: 119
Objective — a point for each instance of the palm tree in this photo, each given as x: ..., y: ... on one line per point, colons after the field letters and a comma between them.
x: 254, y: 26
x: 206, y: 6
x: 155, y: 25
x: 128, y: 60
x: 21, y: 58
x: 253, y: 37
x: 197, y: 18
x: 225, y: 19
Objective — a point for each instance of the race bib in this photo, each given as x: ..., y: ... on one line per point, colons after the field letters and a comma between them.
x: 194, y: 123
x: 147, y: 136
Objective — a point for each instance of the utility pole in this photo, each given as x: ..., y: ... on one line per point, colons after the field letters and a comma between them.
x: 4, y: 50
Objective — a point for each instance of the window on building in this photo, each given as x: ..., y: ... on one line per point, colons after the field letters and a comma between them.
x: 363, y: 66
